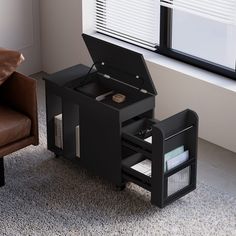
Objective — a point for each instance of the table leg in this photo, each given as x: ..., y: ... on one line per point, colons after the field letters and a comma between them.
x: 2, y: 177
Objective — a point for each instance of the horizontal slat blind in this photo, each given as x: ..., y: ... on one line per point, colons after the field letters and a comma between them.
x: 135, y: 21
x: 220, y: 10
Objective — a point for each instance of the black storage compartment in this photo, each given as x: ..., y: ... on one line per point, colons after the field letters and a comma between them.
x: 127, y: 164
x: 137, y: 132
x: 170, y: 155
x: 102, y: 89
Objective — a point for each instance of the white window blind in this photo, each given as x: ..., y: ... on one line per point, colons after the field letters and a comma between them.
x: 223, y: 11
x: 134, y: 21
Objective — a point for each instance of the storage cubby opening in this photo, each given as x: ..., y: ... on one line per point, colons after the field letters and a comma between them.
x: 139, y: 134
x: 182, y: 148
x: 178, y: 181
x: 102, y: 89
x: 58, y: 134
x: 135, y: 119
x: 139, y: 166
x: 174, y: 161
x: 141, y: 128
x: 144, y: 149
x: 73, y: 84
x: 176, y: 158
x: 181, y: 132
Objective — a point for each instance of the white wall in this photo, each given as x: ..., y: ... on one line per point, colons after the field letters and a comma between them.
x: 214, y: 105
x: 19, y: 27
x: 62, y: 46
x: 61, y: 28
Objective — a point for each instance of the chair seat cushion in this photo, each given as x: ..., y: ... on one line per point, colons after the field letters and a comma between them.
x: 13, y: 126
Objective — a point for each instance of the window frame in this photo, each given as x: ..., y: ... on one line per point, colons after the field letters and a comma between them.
x: 165, y: 48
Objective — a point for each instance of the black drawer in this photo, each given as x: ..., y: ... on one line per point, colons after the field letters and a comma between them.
x: 170, y: 155
x: 129, y: 162
x: 174, y: 131
x: 136, y: 133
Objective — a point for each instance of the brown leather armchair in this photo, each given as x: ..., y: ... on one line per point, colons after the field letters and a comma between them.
x: 18, y: 116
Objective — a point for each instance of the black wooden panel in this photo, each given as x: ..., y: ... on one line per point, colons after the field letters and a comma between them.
x: 70, y: 119
x: 180, y: 129
x: 2, y: 176
x: 67, y: 75
x: 53, y: 108
x: 101, y: 140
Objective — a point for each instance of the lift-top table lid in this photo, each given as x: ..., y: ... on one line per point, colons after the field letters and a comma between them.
x: 119, y: 63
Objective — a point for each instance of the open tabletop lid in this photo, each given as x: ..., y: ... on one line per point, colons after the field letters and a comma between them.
x: 120, y: 63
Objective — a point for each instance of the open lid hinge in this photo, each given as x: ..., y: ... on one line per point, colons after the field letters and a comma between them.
x: 106, y: 76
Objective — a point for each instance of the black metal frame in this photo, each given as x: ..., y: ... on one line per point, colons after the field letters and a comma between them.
x: 165, y: 48
x: 2, y: 176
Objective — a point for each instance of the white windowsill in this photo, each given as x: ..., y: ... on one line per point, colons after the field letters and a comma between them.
x: 178, y: 66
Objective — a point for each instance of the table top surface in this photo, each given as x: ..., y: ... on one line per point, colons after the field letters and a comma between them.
x: 63, y: 77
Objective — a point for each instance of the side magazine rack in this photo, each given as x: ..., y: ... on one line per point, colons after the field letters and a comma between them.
x: 121, y: 142
x: 167, y: 135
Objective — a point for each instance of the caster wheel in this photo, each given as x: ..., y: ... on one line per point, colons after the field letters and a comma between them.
x: 120, y: 187
x: 56, y: 156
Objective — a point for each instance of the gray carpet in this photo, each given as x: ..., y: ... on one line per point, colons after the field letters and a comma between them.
x: 48, y: 196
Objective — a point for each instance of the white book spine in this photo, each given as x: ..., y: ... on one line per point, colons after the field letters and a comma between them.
x: 59, y: 134
x: 77, y: 132
x: 57, y: 140
x: 58, y: 131
x: 177, y: 160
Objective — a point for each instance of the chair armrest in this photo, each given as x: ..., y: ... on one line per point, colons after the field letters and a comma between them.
x: 19, y: 92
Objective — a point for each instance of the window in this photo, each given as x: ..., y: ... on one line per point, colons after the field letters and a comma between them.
x: 201, y: 33
x: 204, y: 38
x: 133, y: 21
